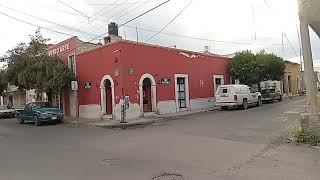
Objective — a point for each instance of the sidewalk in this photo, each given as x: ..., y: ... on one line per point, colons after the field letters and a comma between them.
x: 114, y: 124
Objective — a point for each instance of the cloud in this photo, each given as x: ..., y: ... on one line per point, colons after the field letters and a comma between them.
x: 227, y: 20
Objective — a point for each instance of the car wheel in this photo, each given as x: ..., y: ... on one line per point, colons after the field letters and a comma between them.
x: 36, y: 120
x: 244, y: 104
x: 224, y: 108
x: 280, y: 99
x: 20, y: 120
x: 273, y: 100
x: 259, y: 103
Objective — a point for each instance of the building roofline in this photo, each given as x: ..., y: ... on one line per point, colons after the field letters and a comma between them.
x: 51, y: 46
x: 154, y: 46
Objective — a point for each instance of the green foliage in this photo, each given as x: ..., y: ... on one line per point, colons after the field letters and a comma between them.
x: 273, y: 66
x: 252, y: 68
x: 29, y: 67
x: 300, y: 136
x: 3, y: 82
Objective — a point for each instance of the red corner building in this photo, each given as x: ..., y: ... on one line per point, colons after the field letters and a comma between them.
x: 157, y: 80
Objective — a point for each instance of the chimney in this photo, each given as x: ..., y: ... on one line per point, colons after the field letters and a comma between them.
x: 113, y: 31
x: 206, y: 49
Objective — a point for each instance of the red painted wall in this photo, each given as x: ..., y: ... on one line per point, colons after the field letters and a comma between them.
x: 72, y: 44
x: 164, y: 62
x: 157, y: 61
x: 92, y: 66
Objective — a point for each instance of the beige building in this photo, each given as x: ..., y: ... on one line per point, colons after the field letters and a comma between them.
x: 291, y: 82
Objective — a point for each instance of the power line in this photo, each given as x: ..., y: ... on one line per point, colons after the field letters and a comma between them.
x: 31, y: 24
x: 92, y: 17
x: 127, y: 22
x: 267, y: 4
x: 114, y: 8
x: 149, y: 30
x: 99, y: 27
x: 290, y: 44
x: 73, y: 8
x: 169, y: 22
x: 115, y: 4
x: 45, y: 20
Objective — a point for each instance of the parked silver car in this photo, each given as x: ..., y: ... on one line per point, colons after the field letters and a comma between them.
x: 237, y: 96
x: 6, y: 112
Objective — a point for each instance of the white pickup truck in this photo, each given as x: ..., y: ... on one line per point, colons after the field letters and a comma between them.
x: 237, y: 96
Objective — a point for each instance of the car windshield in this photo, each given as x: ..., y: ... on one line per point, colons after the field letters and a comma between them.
x: 42, y: 105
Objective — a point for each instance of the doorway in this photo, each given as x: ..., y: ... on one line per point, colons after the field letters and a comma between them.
x: 182, y: 92
x: 147, y: 103
x: 218, y: 80
x: 147, y: 95
x: 108, y: 96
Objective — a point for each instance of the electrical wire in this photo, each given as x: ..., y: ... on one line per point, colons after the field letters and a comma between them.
x: 73, y: 8
x: 48, y: 21
x: 127, y: 22
x: 184, y: 8
x: 267, y: 4
x: 31, y: 24
x: 114, y: 4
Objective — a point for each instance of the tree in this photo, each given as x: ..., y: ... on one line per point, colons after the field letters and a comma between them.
x: 252, y: 68
x: 29, y: 67
x: 3, y: 82
x: 274, y: 66
x: 245, y: 67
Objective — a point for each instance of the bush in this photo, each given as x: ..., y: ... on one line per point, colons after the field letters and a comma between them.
x: 300, y: 136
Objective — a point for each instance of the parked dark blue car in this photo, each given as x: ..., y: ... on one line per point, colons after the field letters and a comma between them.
x: 39, y: 112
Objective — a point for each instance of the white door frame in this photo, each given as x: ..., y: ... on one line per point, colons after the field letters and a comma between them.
x: 153, y: 93
x: 214, y: 81
x: 103, y: 102
x: 186, y: 76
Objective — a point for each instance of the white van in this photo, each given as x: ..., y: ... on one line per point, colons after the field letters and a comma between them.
x: 237, y: 96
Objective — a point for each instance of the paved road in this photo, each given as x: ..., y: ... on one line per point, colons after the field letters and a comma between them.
x: 224, y: 145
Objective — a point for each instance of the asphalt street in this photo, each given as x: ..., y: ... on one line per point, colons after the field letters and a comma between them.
x: 222, y: 145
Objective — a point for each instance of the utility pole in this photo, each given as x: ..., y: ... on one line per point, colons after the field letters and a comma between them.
x: 311, y: 121
x: 308, y: 68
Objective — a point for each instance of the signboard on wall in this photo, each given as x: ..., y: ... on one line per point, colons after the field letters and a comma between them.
x: 59, y: 49
x: 87, y: 85
x: 74, y: 85
x: 165, y: 81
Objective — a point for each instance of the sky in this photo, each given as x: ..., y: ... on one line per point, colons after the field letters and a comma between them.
x: 225, y: 26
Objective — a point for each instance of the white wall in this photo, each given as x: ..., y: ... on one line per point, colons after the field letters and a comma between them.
x: 166, y: 107
x: 91, y: 111
x: 202, y: 103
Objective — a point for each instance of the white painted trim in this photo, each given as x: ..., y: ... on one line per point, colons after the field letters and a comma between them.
x: 103, y: 95
x: 153, y: 93
x: 74, y: 64
x: 186, y: 76
x: 214, y: 81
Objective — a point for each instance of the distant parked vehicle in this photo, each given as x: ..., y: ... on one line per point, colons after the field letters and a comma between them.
x: 270, y: 95
x: 6, y: 112
x: 237, y: 96
x: 39, y: 112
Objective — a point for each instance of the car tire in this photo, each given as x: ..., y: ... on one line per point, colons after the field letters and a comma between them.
x: 259, y: 103
x: 20, y: 120
x: 280, y: 99
x: 244, y: 105
x: 273, y: 100
x: 36, y: 120
x: 224, y: 108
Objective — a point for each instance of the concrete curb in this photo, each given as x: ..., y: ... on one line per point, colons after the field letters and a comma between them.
x: 149, y: 121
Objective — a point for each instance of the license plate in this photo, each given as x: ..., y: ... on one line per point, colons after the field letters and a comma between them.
x: 54, y: 118
x: 224, y: 95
